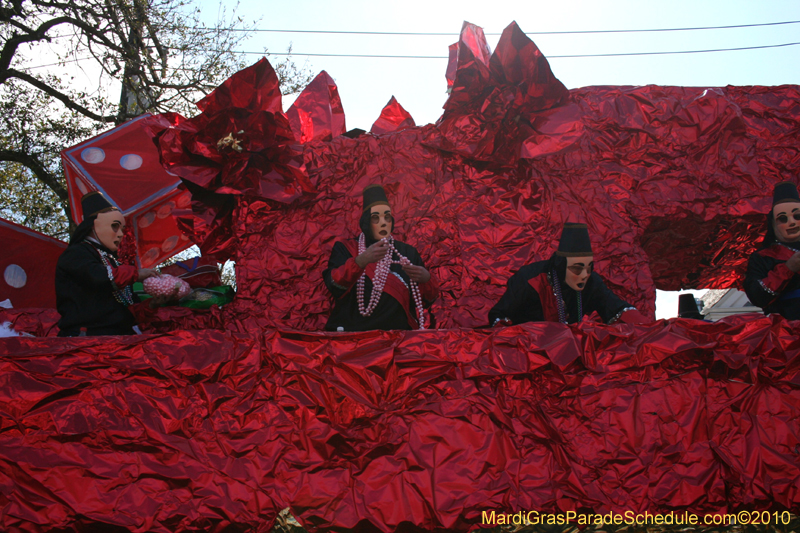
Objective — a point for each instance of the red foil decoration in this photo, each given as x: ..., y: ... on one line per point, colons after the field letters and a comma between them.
x: 239, y: 145
x: 317, y: 114
x: 207, y: 429
x: 393, y: 118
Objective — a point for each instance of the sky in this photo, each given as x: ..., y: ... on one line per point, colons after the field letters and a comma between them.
x: 366, y: 84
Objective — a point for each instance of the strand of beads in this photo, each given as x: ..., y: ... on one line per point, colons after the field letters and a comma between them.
x: 792, y: 248
x: 560, y: 304
x: 382, y: 270
x: 123, y: 295
x: 378, y: 282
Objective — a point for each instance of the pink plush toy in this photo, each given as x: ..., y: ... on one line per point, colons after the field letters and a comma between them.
x: 164, y: 285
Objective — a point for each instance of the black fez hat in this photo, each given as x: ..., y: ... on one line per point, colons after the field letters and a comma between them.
x: 374, y: 195
x: 687, y: 307
x: 785, y: 191
x: 574, y: 241
x: 94, y: 203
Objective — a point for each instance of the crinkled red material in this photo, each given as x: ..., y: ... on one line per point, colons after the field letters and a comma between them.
x: 317, y: 114
x: 393, y: 118
x: 38, y: 322
x: 208, y: 429
x: 214, y: 429
x: 170, y: 318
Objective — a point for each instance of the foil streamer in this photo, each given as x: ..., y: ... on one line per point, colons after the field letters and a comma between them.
x: 385, y: 430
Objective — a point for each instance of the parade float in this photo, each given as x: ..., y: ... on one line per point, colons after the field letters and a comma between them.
x: 218, y: 420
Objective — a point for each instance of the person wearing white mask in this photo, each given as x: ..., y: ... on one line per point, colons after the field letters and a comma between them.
x: 772, y: 281
x: 564, y: 288
x: 93, y: 290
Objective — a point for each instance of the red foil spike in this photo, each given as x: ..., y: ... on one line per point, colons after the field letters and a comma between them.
x: 255, y: 88
x: 473, y: 39
x: 452, y: 65
x: 518, y: 61
x: 472, y: 70
x: 393, y: 118
x: 483, y: 117
x: 317, y: 114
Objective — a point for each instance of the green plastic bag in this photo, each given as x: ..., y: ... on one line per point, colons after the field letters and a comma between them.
x: 198, y: 298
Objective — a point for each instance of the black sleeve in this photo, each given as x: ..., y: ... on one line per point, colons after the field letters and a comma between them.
x: 520, y: 303
x: 758, y: 268
x: 85, y: 267
x: 602, y: 300
x: 339, y: 256
x: 415, y: 258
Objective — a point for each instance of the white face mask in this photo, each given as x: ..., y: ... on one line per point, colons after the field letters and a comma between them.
x: 787, y: 229
x: 108, y: 228
x: 381, y: 221
x: 578, y: 271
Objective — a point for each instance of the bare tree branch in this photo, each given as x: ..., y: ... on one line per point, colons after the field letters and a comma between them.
x: 38, y: 169
x: 58, y: 95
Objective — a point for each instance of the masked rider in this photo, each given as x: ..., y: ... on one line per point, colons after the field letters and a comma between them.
x: 377, y: 282
x: 772, y: 282
x: 93, y: 291
x: 565, y: 288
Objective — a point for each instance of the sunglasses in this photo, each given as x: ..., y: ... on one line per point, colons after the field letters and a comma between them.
x: 577, y: 269
x: 375, y: 218
x: 783, y: 219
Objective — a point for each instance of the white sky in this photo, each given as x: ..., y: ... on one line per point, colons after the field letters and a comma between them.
x: 366, y: 84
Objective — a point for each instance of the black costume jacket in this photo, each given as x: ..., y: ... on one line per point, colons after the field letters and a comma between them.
x: 396, y: 308
x: 770, y: 285
x: 530, y: 297
x: 85, y: 294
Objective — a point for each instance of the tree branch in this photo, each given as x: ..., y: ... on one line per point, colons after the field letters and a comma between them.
x: 66, y: 100
x: 11, y: 45
x: 38, y: 170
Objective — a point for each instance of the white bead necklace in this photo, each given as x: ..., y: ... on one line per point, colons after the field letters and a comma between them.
x: 382, y: 269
